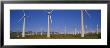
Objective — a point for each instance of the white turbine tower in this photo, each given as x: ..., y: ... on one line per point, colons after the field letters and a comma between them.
x: 65, y: 29
x: 49, y: 20
x: 82, y: 22
x: 41, y: 31
x: 97, y: 29
x: 24, y: 19
x: 75, y: 31
x: 36, y: 33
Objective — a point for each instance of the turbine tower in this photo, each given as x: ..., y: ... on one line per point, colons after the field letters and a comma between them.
x: 82, y: 22
x: 41, y: 31
x: 97, y: 29
x: 24, y: 19
x: 65, y: 29
x: 75, y: 31
x: 86, y: 29
x: 49, y: 19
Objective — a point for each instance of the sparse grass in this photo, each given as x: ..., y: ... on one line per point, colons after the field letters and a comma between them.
x: 13, y: 35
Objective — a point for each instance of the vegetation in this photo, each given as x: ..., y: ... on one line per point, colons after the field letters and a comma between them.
x: 15, y: 35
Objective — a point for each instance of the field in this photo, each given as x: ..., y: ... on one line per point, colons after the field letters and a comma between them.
x: 14, y: 35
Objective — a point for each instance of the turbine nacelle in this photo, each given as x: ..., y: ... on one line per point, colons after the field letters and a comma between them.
x: 49, y: 12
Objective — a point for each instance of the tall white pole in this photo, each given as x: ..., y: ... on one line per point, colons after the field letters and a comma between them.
x: 48, y: 33
x: 23, y: 33
x: 41, y: 31
x: 82, y: 24
x: 78, y: 32
x: 65, y: 29
x: 97, y: 28
x: 75, y: 31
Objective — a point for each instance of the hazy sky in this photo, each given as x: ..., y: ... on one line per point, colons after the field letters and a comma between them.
x: 37, y: 19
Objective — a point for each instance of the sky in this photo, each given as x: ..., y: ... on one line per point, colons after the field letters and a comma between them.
x: 36, y: 20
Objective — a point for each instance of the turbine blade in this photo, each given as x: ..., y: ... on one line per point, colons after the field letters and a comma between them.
x: 20, y: 19
x: 51, y: 11
x: 87, y: 13
x: 50, y: 19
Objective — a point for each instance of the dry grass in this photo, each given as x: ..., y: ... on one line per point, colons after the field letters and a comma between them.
x: 15, y: 35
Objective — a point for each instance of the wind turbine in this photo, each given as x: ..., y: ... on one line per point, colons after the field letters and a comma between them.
x: 49, y: 20
x: 97, y: 29
x: 65, y: 29
x: 41, y: 31
x: 82, y: 22
x: 24, y: 19
x: 86, y: 29
x: 75, y: 31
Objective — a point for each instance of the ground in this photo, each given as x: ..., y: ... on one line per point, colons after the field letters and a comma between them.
x: 14, y: 35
